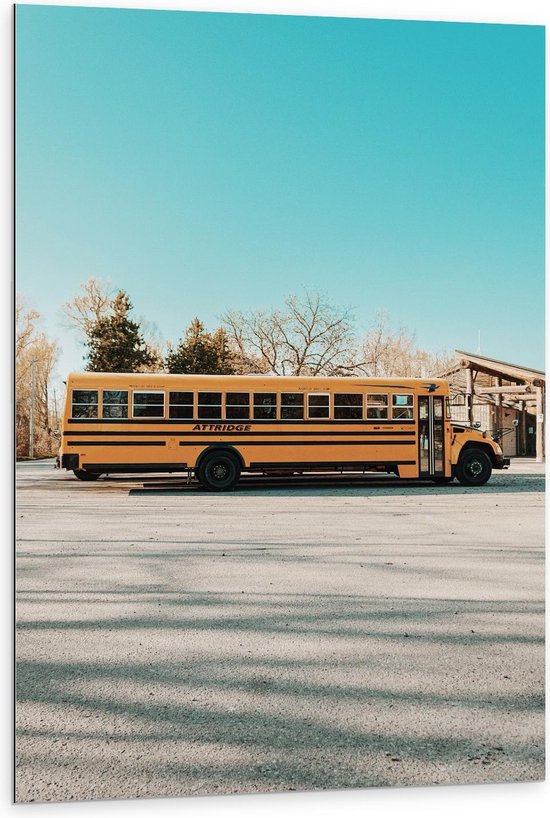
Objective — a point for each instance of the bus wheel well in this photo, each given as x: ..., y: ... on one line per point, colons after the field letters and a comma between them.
x: 220, y: 448
x: 484, y: 447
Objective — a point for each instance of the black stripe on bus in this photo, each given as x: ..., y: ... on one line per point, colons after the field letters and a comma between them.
x: 329, y: 464
x: 134, y: 467
x: 116, y: 443
x: 313, y: 465
x: 361, y: 386
x: 236, y: 432
x: 244, y: 421
x: 303, y: 443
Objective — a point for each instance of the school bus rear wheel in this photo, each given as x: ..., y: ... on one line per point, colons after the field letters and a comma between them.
x: 218, y: 471
x: 85, y: 475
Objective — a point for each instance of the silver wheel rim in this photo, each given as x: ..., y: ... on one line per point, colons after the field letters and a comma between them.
x: 475, y: 467
x: 219, y: 472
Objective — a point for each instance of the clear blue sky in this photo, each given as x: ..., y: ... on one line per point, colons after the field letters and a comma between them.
x: 212, y: 161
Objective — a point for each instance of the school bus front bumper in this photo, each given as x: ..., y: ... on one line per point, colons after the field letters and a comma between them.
x: 501, y: 462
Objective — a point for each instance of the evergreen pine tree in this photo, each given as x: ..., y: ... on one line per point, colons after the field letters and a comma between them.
x: 225, y: 358
x: 115, y: 343
x: 200, y: 353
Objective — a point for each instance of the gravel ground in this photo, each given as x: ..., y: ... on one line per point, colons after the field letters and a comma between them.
x: 323, y: 635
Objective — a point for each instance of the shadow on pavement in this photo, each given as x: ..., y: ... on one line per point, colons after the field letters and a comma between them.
x: 293, y: 709
x: 365, y: 486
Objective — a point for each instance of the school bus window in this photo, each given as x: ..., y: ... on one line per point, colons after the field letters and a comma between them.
x: 84, y: 403
x: 237, y: 406
x: 115, y: 403
x: 180, y: 405
x: 377, y: 406
x: 292, y: 406
x: 210, y: 405
x: 318, y: 406
x: 148, y: 404
x: 402, y: 407
x: 348, y: 406
x: 265, y: 405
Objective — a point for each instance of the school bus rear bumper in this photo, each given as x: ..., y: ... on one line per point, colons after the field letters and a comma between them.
x: 69, y: 461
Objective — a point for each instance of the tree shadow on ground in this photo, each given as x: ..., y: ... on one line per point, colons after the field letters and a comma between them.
x: 287, y: 709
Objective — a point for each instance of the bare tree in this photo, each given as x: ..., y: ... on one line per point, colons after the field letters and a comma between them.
x: 155, y: 343
x: 309, y: 336
x: 389, y: 352
x: 244, y: 360
x: 92, y: 303
x: 34, y: 351
x: 386, y: 351
x: 438, y: 363
x: 25, y: 321
x: 254, y: 340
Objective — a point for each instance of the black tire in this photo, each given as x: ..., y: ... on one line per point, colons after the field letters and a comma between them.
x: 80, y: 474
x: 218, y: 471
x: 473, y: 468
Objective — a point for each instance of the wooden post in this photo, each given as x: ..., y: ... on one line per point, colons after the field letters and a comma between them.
x: 525, y: 423
x: 498, y: 400
x: 470, y: 395
x: 539, y: 428
x: 520, y: 431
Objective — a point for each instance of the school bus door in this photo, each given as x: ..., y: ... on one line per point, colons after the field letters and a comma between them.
x: 431, y: 436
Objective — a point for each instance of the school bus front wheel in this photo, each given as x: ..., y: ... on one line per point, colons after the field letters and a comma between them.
x: 473, y: 468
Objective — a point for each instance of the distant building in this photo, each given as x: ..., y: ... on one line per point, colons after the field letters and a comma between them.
x: 505, y: 399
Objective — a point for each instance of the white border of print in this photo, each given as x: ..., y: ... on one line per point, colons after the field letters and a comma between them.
x: 502, y: 800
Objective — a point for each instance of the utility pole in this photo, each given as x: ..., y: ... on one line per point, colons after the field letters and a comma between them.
x: 33, y: 401
x: 54, y: 420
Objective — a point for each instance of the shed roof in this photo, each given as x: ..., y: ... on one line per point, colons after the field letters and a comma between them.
x: 492, y: 366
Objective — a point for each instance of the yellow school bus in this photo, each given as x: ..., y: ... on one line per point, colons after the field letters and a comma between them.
x: 217, y: 426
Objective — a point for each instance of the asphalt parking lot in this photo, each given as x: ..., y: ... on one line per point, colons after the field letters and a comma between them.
x: 322, y: 634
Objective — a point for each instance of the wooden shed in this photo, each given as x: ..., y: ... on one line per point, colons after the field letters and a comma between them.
x: 505, y: 399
